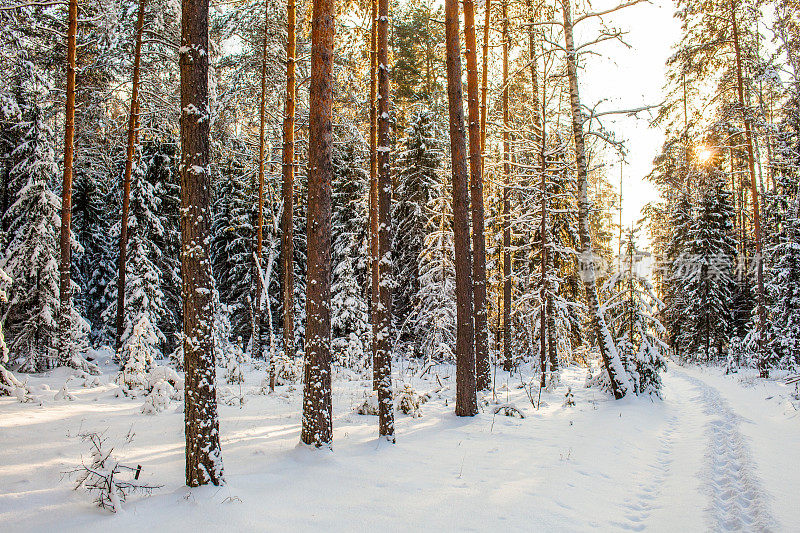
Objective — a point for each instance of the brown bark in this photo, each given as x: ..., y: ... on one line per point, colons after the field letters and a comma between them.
x: 65, y: 293
x: 259, y: 246
x: 317, y: 409
x: 287, y: 217
x: 373, y: 188
x: 484, y: 379
x: 466, y: 395
x: 203, y: 456
x: 608, y: 351
x: 485, y: 81
x: 748, y: 132
x: 383, y: 355
x: 538, y: 118
x: 126, y: 183
x: 508, y: 363
x: 476, y: 200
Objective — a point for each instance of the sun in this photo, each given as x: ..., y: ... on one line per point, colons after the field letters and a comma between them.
x: 704, y: 154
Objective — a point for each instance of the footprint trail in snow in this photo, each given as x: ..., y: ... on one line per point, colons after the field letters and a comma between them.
x: 639, y: 506
x: 737, y: 501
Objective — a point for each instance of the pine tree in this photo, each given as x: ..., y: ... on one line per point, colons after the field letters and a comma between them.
x: 317, y: 425
x: 466, y: 386
x: 203, y: 453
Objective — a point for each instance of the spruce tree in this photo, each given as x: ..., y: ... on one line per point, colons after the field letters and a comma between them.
x: 232, y: 244
x: 350, y: 324
x: 418, y: 166
x: 783, y: 333
x: 674, y: 276
x: 31, y: 257
x: 433, y: 320
x: 632, y: 315
x: 708, y: 271
x: 146, y: 306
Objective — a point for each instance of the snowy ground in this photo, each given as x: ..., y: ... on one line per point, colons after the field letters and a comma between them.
x: 718, y: 453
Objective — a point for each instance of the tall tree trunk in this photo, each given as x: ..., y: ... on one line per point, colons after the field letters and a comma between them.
x: 748, y: 131
x: 287, y: 216
x: 466, y: 394
x: 373, y: 190
x: 317, y: 408
x: 538, y: 118
x: 126, y: 183
x: 383, y: 360
x: 617, y: 374
x: 476, y: 193
x: 203, y: 454
x: 65, y: 292
x: 485, y: 84
x: 483, y: 371
x: 508, y: 362
x: 258, y: 253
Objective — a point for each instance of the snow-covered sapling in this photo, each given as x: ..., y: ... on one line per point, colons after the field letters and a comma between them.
x: 109, y: 481
x: 569, y: 399
x: 409, y: 402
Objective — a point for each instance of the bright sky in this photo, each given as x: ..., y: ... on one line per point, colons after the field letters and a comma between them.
x: 630, y: 78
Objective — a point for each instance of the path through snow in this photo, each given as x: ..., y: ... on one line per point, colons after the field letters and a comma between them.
x: 719, y: 453
x: 737, y: 500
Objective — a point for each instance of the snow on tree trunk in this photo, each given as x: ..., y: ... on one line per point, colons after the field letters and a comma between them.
x: 317, y: 428
x: 618, y: 377
x: 203, y: 454
x: 383, y: 331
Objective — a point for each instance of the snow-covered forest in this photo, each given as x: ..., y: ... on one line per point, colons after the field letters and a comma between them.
x: 273, y: 264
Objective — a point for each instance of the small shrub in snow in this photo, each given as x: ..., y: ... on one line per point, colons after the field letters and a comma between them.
x: 164, y: 373
x: 90, y: 381
x: 164, y: 386
x: 159, y: 398
x: 509, y: 409
x: 109, y: 481
x: 569, y: 400
x: 234, y: 372
x: 137, y: 356
x: 369, y: 406
x: 288, y: 369
x: 64, y: 395
x: 409, y: 402
x: 230, y: 397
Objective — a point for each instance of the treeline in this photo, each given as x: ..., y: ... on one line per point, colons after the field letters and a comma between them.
x: 726, y: 229
x: 328, y: 187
